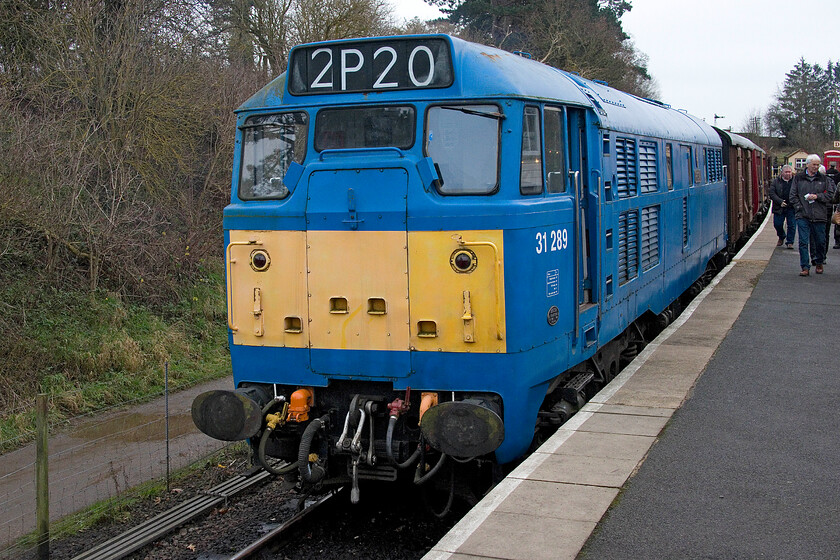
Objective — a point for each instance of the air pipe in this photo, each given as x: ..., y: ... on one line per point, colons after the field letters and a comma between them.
x: 309, y: 474
x: 388, y: 440
x: 420, y: 480
x: 272, y: 421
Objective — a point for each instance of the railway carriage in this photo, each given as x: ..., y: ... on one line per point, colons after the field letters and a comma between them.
x: 747, y: 172
x: 436, y: 247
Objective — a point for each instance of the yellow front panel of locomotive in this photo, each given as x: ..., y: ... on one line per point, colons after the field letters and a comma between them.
x: 267, y: 306
x: 457, y: 311
x: 358, y: 290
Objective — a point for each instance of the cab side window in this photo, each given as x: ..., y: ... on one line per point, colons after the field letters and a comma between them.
x: 555, y: 151
x: 530, y: 170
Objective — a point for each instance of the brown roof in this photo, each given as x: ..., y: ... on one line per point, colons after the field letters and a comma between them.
x: 796, y: 151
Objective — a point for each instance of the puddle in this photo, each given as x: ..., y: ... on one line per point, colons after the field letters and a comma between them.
x: 138, y: 427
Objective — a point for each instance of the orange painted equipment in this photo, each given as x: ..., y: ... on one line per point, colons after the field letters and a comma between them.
x: 299, y: 406
x: 427, y: 401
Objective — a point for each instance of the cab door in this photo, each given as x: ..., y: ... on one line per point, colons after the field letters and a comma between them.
x: 357, y: 274
x: 585, y: 184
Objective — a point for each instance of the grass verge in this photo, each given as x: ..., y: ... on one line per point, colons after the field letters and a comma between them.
x: 93, y: 351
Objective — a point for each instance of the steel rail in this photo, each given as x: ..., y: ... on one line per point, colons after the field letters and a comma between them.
x: 152, y: 529
x: 285, y: 527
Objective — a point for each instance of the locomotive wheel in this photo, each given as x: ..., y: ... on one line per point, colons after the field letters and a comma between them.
x: 612, y: 370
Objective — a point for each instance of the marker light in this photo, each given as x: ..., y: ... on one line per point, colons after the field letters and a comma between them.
x: 463, y: 261
x: 260, y: 260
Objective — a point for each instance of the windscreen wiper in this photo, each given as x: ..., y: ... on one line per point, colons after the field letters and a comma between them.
x: 495, y: 115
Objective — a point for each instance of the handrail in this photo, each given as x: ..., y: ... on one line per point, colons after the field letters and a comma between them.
x: 578, y: 241
x: 229, y: 280
x: 596, y: 286
x: 498, y: 274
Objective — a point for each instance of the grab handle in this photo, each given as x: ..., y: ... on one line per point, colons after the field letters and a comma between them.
x: 575, y: 175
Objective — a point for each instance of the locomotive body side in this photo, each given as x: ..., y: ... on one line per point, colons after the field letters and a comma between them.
x: 422, y: 227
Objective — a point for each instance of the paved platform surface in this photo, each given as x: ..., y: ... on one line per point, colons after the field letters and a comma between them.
x: 721, y: 440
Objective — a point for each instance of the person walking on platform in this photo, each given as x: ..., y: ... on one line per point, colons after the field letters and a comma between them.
x: 783, y: 211
x: 827, y: 224
x: 834, y: 175
x: 812, y: 194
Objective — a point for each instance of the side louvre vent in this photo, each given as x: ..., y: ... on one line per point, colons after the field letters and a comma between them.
x: 628, y: 246
x: 650, y: 237
x: 647, y: 167
x: 625, y: 167
x: 714, y: 165
x: 685, y: 222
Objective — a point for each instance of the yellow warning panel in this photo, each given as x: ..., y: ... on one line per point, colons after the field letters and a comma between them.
x: 266, y: 288
x: 358, y: 290
x: 456, y: 290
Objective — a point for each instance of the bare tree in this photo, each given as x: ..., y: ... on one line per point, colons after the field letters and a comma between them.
x: 265, y: 30
x: 583, y: 36
x: 322, y: 20
x: 266, y: 23
x: 416, y: 26
x: 117, y: 147
x: 753, y: 123
x: 118, y: 127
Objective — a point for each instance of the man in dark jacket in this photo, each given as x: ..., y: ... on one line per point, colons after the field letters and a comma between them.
x: 811, y: 194
x: 783, y: 211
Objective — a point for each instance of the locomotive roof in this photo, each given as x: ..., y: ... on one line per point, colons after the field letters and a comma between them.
x: 488, y: 72
x: 623, y: 112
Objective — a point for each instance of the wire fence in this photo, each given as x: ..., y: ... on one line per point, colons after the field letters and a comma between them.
x: 96, y: 458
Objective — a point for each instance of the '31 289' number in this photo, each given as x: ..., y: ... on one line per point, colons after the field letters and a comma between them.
x: 559, y: 240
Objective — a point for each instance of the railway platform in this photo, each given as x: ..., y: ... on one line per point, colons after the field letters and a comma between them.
x: 721, y: 440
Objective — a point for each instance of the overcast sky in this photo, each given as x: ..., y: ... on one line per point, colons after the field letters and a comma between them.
x: 724, y: 57
x: 407, y: 9
x: 728, y: 57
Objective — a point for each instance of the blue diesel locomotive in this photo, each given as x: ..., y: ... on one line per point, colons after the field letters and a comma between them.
x: 435, y: 248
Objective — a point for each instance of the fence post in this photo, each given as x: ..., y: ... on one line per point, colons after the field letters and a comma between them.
x: 42, y: 483
x: 166, y: 400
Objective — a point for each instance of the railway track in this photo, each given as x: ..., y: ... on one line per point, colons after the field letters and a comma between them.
x: 153, y: 529
x: 287, y: 528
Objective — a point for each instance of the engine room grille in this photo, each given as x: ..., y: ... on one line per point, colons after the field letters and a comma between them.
x: 625, y: 167
x: 714, y: 165
x: 647, y: 167
x: 628, y: 246
x: 650, y: 237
